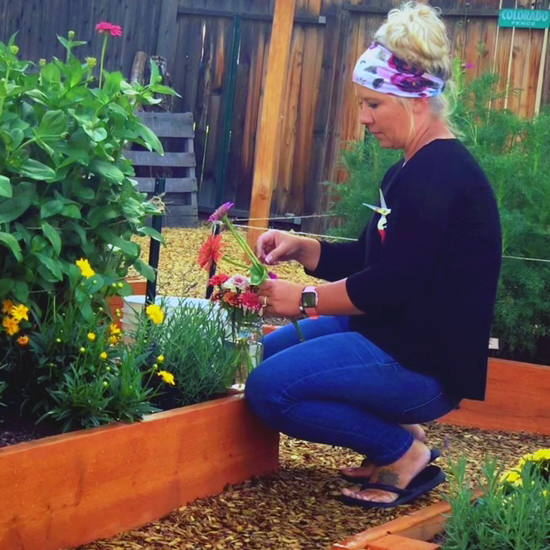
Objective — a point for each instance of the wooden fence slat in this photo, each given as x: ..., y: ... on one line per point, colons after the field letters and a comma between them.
x: 173, y: 185
x: 178, y: 125
x: 145, y: 158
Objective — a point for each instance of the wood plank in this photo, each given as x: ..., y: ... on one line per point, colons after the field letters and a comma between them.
x: 146, y: 158
x: 173, y: 185
x: 517, y: 400
x: 265, y: 166
x: 398, y: 542
x: 168, y: 31
x: 169, y: 124
x: 71, y: 489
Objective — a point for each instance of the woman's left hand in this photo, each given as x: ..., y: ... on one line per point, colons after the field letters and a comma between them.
x: 281, y: 297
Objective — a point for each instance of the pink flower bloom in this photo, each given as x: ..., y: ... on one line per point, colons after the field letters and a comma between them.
x: 113, y: 30
x: 218, y: 280
x: 222, y: 211
x: 251, y: 301
x: 240, y: 282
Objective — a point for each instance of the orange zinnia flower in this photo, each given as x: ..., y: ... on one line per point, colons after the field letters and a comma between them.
x: 23, y: 340
x: 211, y: 251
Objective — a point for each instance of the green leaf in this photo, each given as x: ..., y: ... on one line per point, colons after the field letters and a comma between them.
x: 51, y: 208
x: 53, y: 236
x: 11, y: 209
x: 21, y: 291
x: 5, y: 286
x: 11, y: 242
x: 108, y: 170
x: 50, y: 73
x: 54, y: 266
x: 6, y: 189
x: 151, y: 139
x: 36, y: 170
x: 71, y: 211
x: 153, y: 233
x: 127, y: 247
x: 160, y: 89
x: 258, y: 274
x: 145, y: 269
x: 96, y: 134
x: 53, y: 123
x: 101, y: 214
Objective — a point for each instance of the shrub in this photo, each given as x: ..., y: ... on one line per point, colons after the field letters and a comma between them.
x: 66, y: 189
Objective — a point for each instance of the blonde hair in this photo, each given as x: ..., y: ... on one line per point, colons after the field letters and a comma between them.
x: 416, y: 33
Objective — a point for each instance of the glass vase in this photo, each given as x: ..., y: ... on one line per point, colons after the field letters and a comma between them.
x: 248, y: 341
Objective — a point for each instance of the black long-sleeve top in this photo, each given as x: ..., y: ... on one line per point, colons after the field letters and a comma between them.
x: 427, y: 281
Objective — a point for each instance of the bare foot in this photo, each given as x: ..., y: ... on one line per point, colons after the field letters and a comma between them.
x: 366, y: 468
x: 398, y: 474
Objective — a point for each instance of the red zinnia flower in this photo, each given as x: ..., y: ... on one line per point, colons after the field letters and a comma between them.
x: 218, y: 280
x: 211, y: 251
x: 113, y: 30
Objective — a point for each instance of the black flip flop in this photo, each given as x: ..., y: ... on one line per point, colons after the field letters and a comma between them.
x: 429, y: 478
x: 435, y: 453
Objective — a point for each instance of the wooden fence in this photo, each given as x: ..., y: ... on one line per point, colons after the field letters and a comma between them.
x: 217, y: 55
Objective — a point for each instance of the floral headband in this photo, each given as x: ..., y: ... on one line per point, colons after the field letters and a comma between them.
x: 382, y: 71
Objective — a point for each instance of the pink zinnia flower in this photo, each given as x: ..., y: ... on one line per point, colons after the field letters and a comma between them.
x: 250, y: 300
x: 113, y: 30
x: 240, y: 282
x: 222, y: 211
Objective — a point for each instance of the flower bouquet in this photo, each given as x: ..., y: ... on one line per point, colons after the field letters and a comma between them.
x: 237, y: 294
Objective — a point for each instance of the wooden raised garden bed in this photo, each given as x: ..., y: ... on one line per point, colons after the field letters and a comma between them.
x: 517, y: 401
x: 67, y: 490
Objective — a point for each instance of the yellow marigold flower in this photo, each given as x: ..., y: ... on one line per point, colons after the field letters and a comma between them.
x: 14, y: 49
x: 511, y: 476
x: 541, y: 454
x: 92, y: 337
x: 104, y: 355
x: 85, y: 268
x: 115, y: 329
x: 7, y: 306
x: 161, y: 358
x: 42, y: 62
x: 168, y: 377
x: 20, y: 312
x: 23, y: 340
x: 11, y: 325
x: 92, y: 62
x: 113, y: 340
x: 155, y: 314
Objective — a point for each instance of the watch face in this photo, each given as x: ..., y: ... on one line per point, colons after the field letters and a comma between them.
x: 309, y: 299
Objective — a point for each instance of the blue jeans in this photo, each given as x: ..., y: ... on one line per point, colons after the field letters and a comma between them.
x: 338, y: 388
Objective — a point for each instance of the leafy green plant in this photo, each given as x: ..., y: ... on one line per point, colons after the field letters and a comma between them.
x: 512, y: 514
x: 514, y: 154
x: 66, y: 188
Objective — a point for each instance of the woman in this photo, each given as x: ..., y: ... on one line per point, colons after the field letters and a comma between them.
x: 405, y: 319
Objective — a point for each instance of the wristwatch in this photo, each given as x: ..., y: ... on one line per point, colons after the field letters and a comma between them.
x: 309, y: 302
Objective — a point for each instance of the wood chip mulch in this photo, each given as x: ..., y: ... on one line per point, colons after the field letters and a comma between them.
x: 296, y: 508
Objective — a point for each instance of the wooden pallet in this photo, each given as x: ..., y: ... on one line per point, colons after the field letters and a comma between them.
x: 176, y: 132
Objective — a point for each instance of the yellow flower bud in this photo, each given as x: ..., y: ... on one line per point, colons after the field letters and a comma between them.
x: 160, y: 358
x: 105, y: 383
x: 42, y: 62
x: 92, y: 337
x: 82, y: 350
x: 71, y: 35
x: 92, y: 62
x: 120, y: 285
x: 14, y: 49
x: 104, y: 355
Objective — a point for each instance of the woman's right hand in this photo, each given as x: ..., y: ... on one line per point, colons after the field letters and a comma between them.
x: 275, y: 246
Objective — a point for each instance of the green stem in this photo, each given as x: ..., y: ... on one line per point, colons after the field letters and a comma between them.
x: 103, y: 52
x: 243, y: 243
x: 298, y: 330
x: 236, y: 264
